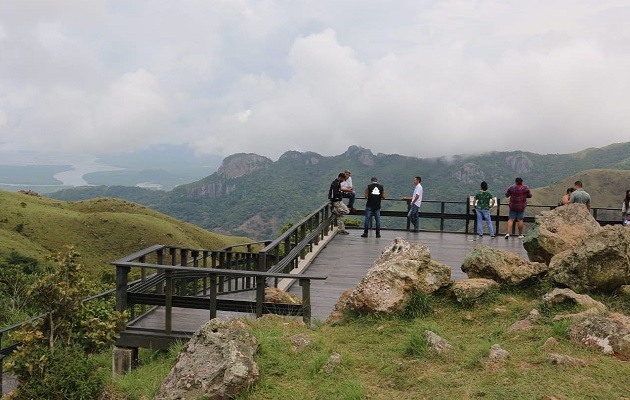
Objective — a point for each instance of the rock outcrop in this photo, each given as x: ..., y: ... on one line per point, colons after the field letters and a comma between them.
x: 469, y: 290
x: 501, y: 266
x: 401, y: 270
x: 217, y: 363
x: 600, y: 263
x: 610, y: 334
x: 560, y: 229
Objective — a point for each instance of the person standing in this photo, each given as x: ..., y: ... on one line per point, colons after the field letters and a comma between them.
x: 339, y: 209
x: 518, y: 194
x: 374, y: 193
x: 347, y: 190
x: 625, y: 209
x: 580, y: 196
x: 416, y: 201
x: 484, y: 201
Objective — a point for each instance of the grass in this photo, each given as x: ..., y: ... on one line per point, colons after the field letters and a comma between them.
x: 387, y: 357
x: 102, y: 230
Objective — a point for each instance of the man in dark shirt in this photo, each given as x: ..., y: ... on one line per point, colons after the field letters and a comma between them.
x: 518, y: 194
x: 339, y: 209
x: 374, y: 193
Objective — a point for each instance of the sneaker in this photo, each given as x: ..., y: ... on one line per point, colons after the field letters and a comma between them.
x: 344, y: 232
x: 521, y: 236
x: 378, y: 235
x: 492, y: 236
x: 365, y: 235
x: 480, y: 236
x: 507, y: 235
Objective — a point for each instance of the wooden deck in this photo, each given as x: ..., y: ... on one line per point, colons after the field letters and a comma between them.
x: 345, y: 260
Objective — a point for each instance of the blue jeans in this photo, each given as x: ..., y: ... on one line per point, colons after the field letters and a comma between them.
x: 350, y: 196
x: 369, y: 212
x: 414, y: 216
x: 481, y: 215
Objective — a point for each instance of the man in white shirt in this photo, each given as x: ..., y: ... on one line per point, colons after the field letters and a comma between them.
x: 416, y: 201
x: 347, y: 190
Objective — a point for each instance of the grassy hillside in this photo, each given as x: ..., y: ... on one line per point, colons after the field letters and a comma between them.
x: 101, y: 229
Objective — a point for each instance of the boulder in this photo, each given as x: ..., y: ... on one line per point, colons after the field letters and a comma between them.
x: 562, y: 359
x: 436, y: 343
x: 468, y: 290
x: 558, y: 230
x: 558, y: 296
x: 401, y: 270
x: 600, y: 263
x: 611, y: 334
x: 278, y: 296
x: 501, y: 266
x: 217, y: 363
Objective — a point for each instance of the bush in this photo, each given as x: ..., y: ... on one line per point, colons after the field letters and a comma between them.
x: 67, y: 373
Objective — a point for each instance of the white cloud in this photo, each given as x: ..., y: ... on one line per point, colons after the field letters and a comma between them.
x: 419, y: 78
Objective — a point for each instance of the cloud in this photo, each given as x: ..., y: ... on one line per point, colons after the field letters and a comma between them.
x: 423, y: 79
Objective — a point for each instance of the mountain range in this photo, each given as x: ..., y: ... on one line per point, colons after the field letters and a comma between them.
x: 254, y: 196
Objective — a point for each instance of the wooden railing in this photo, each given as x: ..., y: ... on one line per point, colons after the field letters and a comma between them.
x: 458, y: 216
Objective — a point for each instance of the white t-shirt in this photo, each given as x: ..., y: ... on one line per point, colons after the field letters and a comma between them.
x: 418, y: 190
x: 347, y: 183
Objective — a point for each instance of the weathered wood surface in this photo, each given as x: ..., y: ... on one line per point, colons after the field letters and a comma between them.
x: 345, y: 260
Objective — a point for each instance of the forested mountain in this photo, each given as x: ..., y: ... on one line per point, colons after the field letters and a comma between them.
x: 253, y: 196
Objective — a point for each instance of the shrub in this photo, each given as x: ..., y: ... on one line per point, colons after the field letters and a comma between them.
x: 59, y: 373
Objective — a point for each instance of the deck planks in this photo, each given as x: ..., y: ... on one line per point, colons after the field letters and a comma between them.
x: 345, y: 261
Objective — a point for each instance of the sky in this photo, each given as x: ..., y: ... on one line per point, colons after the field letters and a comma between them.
x: 420, y: 78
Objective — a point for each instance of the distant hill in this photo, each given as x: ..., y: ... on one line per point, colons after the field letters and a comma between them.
x: 102, y: 230
x: 251, y: 195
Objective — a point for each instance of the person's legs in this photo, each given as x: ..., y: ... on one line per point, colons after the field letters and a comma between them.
x: 340, y: 209
x: 377, y: 221
x: 486, y: 216
x: 414, y: 217
x: 510, y: 223
x: 366, y: 221
x: 350, y: 196
x: 479, y: 215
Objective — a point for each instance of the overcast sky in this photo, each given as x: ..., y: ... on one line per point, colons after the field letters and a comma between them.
x: 420, y: 78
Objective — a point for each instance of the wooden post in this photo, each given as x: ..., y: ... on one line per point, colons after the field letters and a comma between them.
x: 122, y: 280
x: 260, y: 295
x: 306, y: 301
x: 213, y: 296
x: 168, y: 315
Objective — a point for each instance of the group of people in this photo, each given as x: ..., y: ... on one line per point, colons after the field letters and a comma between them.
x: 484, y: 200
x: 341, y: 188
x: 518, y: 194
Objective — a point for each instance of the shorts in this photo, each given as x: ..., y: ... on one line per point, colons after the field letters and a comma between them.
x: 519, y: 215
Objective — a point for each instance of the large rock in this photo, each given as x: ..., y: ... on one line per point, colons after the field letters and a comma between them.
x: 611, y: 334
x: 558, y: 230
x: 401, y: 270
x: 217, y: 363
x: 600, y: 263
x: 469, y: 290
x: 501, y: 266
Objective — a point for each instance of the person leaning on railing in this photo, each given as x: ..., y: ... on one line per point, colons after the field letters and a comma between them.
x: 339, y: 209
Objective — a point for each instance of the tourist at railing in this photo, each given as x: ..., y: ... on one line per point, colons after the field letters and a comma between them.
x: 339, y: 209
x: 484, y: 201
x: 347, y: 190
x: 580, y: 196
x: 374, y: 193
x: 518, y: 194
x: 625, y: 209
x: 566, y: 197
x: 416, y: 202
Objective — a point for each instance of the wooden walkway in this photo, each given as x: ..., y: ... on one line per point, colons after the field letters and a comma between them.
x: 345, y: 260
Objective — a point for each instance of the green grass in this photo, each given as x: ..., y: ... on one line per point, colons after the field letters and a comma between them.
x: 387, y: 358
x: 101, y: 230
